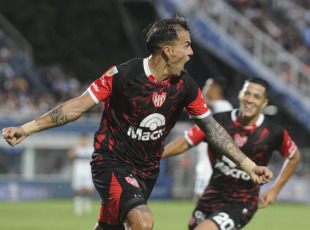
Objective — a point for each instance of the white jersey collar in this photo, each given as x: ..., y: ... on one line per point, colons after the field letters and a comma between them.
x: 146, y: 66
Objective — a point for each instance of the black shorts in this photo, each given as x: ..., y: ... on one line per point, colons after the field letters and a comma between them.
x: 120, y: 191
x: 226, y: 218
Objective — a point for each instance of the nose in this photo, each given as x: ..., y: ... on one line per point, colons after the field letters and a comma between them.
x: 190, y: 51
x: 250, y: 98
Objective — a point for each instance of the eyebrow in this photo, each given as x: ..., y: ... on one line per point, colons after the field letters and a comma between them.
x: 187, y: 42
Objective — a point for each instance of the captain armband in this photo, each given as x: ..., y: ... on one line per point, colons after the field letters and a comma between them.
x: 247, y: 165
x: 30, y: 128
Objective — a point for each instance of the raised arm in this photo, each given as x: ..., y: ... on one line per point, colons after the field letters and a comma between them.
x: 63, y: 114
x: 288, y: 168
x: 221, y: 140
x: 176, y: 147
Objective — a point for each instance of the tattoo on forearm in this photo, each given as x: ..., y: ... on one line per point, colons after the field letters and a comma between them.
x: 143, y: 208
x: 218, y: 137
x: 57, y: 116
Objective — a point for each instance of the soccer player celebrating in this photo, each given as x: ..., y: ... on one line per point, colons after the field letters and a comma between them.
x: 231, y: 198
x: 143, y: 100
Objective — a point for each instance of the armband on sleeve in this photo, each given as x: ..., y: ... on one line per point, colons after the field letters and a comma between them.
x: 30, y: 128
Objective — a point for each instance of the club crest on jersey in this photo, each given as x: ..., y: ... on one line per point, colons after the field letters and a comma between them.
x: 240, y: 140
x: 159, y: 99
x: 132, y: 181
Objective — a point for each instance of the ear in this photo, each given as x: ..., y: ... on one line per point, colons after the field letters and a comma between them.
x: 167, y: 50
x: 265, y: 102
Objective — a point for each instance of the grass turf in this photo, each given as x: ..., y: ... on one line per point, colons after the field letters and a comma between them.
x: 169, y: 215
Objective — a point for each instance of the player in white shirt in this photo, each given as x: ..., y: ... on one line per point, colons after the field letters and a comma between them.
x: 82, y: 183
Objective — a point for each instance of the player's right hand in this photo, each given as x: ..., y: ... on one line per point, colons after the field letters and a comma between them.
x: 261, y: 175
x: 13, y: 135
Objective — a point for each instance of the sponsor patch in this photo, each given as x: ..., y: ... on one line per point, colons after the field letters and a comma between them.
x: 112, y: 71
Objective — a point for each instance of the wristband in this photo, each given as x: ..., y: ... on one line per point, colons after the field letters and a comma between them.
x: 247, y: 165
x: 30, y: 128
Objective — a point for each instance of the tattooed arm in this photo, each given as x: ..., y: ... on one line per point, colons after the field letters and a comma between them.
x: 218, y: 137
x: 65, y: 113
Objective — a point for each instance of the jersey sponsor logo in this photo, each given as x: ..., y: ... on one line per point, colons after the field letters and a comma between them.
x: 132, y: 181
x: 227, y: 167
x: 159, y: 99
x: 198, y: 218
x: 240, y: 140
x: 151, y: 128
x: 95, y: 87
x: 103, y: 81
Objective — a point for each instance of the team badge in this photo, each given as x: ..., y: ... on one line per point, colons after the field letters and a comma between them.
x: 132, y: 181
x: 240, y: 140
x: 159, y: 99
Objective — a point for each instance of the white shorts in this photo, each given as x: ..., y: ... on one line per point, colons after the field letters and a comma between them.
x: 203, y: 175
x: 81, y: 175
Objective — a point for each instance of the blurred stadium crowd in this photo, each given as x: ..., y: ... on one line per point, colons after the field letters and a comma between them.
x: 287, y: 22
x: 24, y: 97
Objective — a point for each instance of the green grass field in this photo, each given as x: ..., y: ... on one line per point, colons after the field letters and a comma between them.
x: 169, y: 215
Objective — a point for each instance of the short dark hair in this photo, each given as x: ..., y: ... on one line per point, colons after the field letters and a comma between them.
x: 165, y: 30
x: 262, y: 82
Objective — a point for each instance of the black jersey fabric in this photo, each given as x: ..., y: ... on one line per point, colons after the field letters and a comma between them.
x: 139, y: 113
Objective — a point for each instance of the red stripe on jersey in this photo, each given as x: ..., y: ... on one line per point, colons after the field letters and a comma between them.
x: 195, y: 134
x: 109, y: 214
x: 102, y: 87
x: 198, y: 107
x: 288, y: 146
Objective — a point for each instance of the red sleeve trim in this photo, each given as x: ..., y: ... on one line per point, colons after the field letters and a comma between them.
x: 288, y: 147
x: 198, y: 108
x: 194, y: 135
x: 101, y: 88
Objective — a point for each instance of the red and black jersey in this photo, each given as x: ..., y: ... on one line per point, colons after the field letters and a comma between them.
x: 229, y: 184
x: 139, y: 113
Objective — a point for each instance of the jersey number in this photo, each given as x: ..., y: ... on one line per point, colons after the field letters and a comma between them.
x: 224, y: 222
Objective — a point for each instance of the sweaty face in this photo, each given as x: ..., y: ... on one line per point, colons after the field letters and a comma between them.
x: 179, y: 53
x: 252, y: 98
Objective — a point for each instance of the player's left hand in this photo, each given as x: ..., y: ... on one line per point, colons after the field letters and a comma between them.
x: 261, y: 175
x: 268, y: 197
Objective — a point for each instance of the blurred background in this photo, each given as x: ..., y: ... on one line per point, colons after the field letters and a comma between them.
x: 51, y: 51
